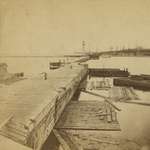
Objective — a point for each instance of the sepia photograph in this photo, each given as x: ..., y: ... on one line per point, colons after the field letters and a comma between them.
x: 74, y: 74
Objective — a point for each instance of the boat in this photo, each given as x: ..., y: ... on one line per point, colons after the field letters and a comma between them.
x: 108, y: 72
x: 137, y: 83
x: 55, y: 65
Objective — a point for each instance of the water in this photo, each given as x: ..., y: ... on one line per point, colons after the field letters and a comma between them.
x: 135, y: 65
x: 30, y: 65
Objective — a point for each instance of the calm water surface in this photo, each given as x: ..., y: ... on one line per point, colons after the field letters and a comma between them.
x: 30, y: 65
x: 136, y: 65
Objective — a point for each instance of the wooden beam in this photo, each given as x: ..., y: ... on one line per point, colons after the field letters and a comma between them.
x: 5, y: 121
x: 108, y: 101
x: 104, y: 97
x: 63, y: 143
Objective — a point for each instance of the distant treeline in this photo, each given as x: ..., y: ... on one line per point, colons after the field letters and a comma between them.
x: 127, y: 52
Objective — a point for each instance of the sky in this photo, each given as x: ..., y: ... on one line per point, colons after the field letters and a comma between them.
x: 53, y: 27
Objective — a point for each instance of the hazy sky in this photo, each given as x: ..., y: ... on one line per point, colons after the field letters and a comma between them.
x: 48, y: 27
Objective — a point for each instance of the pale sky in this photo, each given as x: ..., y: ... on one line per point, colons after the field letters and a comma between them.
x: 49, y: 27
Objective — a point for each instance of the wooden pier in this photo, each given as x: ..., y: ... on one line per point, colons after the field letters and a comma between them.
x: 34, y: 108
x: 30, y: 108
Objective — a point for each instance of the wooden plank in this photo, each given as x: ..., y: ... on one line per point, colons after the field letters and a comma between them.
x: 86, y: 115
x: 101, y: 96
x: 5, y: 121
x: 108, y: 114
x: 95, y: 140
x: 7, y: 144
x: 105, y: 141
x: 70, y: 140
x: 114, y: 116
x: 63, y: 143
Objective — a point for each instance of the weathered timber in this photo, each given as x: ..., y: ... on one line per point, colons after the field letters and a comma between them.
x: 8, y: 144
x: 123, y: 94
x: 37, y: 104
x: 65, y: 140
x: 101, y: 96
x: 97, y: 140
x: 61, y: 140
x: 84, y: 115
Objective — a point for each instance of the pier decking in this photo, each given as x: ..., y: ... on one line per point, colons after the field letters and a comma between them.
x: 93, y: 140
x: 6, y: 144
x: 30, y: 108
x: 88, y: 115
